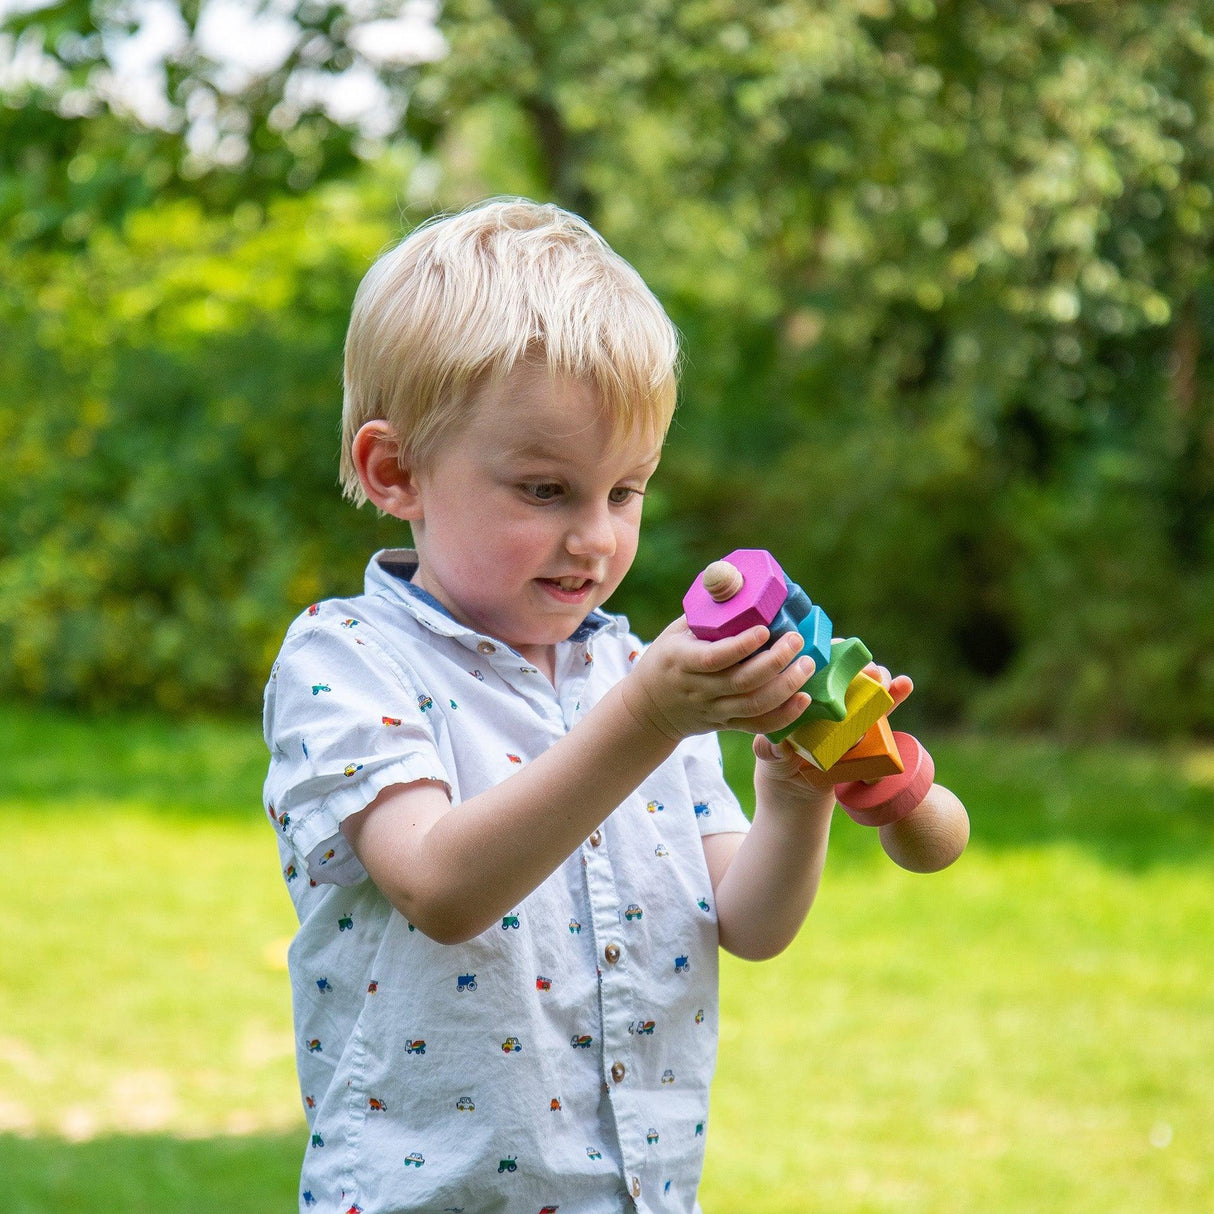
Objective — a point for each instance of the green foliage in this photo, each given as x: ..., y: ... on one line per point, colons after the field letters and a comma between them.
x: 942, y: 268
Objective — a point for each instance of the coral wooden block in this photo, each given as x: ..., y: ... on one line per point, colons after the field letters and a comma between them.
x: 873, y: 756
x: 764, y: 589
x: 893, y: 797
x: 826, y: 742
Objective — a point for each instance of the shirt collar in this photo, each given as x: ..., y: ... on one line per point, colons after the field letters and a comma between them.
x: 391, y: 571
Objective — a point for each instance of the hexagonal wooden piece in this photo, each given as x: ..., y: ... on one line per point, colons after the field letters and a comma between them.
x: 762, y: 594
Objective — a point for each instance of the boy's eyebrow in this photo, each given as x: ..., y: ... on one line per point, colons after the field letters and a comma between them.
x: 533, y: 448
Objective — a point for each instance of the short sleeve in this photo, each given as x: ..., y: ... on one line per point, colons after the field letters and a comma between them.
x: 718, y: 810
x: 343, y: 721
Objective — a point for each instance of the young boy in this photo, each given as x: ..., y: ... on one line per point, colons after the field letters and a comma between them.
x: 502, y: 820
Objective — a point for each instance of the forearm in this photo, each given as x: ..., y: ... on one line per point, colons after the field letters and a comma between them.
x: 770, y: 883
x: 457, y: 871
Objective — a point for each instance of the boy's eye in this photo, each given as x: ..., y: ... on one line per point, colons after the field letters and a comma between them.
x: 544, y: 491
x: 622, y: 493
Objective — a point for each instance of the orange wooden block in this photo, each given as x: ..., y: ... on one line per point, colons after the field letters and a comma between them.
x: 873, y: 756
x: 824, y: 743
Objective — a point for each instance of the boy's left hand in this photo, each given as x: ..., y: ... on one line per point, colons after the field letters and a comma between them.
x: 780, y: 767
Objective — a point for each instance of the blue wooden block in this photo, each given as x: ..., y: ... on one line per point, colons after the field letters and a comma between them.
x: 798, y: 614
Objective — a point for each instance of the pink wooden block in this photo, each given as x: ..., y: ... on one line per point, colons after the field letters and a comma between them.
x: 762, y: 594
x: 892, y: 797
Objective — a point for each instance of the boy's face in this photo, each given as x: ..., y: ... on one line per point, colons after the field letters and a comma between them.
x: 529, y: 516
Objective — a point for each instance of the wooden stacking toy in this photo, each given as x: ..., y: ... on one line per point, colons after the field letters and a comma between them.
x: 881, y: 778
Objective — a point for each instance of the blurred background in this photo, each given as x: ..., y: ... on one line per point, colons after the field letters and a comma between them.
x: 942, y: 269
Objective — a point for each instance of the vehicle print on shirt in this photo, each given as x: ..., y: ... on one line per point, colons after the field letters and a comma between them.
x: 668, y: 1076
x: 345, y: 923
x: 661, y: 851
x: 509, y: 1164
x: 509, y: 921
x: 290, y: 872
x: 323, y: 985
x: 702, y: 903
x: 372, y: 987
x: 700, y: 1016
x: 308, y: 1199
x: 681, y: 965
x: 633, y: 912
x: 465, y: 982
x: 415, y: 1047
x: 424, y: 703
x: 314, y: 609
x: 328, y: 856
x: 575, y: 927
x: 555, y: 1105
x: 645, y: 1027
x: 580, y: 1041
x: 594, y: 1153
x: 415, y: 1159
x: 314, y: 1046
x: 351, y: 768
x: 699, y: 1129
x: 376, y: 1105
x: 284, y: 821
x: 391, y: 720
x: 349, y: 623
x: 464, y: 1105
x: 549, y: 1209
x: 310, y: 1101
x: 355, y: 1209
x: 702, y: 810
x: 512, y: 1045
x: 655, y: 807
x: 542, y: 983
x: 317, y: 688
x: 317, y: 1140
x: 652, y: 1136
x: 513, y: 758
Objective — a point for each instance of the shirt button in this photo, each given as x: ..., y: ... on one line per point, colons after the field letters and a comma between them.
x: 486, y: 647
x: 617, y: 1071
x: 612, y: 953
x: 596, y: 838
x: 636, y: 1186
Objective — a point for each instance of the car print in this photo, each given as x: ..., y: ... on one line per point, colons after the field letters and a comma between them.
x: 425, y: 703
x: 668, y: 1076
x: 581, y: 1042
x: 465, y: 1105
x: 391, y: 720
x: 633, y: 912
x: 700, y: 1016
x: 594, y: 1153
x: 415, y: 1047
x: 416, y: 1159
x: 652, y: 1136
x: 661, y: 851
x: 351, y: 768
x: 542, y: 983
x: 575, y: 928
x: 655, y: 807
x: 509, y: 1164
x: 512, y: 1045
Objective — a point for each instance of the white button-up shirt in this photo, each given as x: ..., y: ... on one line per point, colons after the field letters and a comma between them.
x: 561, y: 1059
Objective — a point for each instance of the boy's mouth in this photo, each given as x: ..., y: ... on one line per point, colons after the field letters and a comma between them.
x: 571, y: 589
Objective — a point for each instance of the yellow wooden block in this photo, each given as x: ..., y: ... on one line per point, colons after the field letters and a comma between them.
x: 875, y: 755
x: 824, y: 743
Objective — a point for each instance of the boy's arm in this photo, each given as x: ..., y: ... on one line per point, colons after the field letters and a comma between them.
x: 765, y: 880
x: 453, y: 870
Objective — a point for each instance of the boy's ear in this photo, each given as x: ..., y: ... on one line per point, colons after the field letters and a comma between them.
x: 388, y: 484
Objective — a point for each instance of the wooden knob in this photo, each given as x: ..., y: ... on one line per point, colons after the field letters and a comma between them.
x: 722, y: 581
x: 931, y: 836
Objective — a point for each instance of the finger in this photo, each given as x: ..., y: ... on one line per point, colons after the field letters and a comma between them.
x: 721, y: 655
x: 772, y: 720
x: 880, y: 673
x: 761, y: 668
x: 899, y: 689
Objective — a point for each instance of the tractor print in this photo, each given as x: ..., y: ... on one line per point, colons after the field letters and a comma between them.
x: 291, y: 873
x: 681, y: 965
x: 317, y: 688
x: 513, y: 758
x: 509, y: 921
x: 509, y: 1164
x: 702, y: 903
x: 345, y: 923
x: 465, y: 982
x: 702, y: 810
x: 323, y: 985
x: 317, y: 1140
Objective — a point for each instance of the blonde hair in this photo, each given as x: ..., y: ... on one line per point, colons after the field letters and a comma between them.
x: 466, y: 298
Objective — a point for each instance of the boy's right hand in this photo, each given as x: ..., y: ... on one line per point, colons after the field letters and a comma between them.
x: 683, y: 686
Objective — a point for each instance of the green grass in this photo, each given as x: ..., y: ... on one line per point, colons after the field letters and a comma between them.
x: 1031, y: 1030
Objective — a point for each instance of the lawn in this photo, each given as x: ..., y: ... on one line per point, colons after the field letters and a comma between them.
x: 1031, y: 1030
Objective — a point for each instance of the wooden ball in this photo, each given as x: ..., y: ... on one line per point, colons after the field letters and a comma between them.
x: 722, y: 581
x: 931, y: 836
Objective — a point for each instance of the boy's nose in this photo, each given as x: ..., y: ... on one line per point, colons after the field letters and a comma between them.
x: 592, y: 534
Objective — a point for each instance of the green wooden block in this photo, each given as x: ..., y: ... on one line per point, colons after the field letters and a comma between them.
x: 828, y: 686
